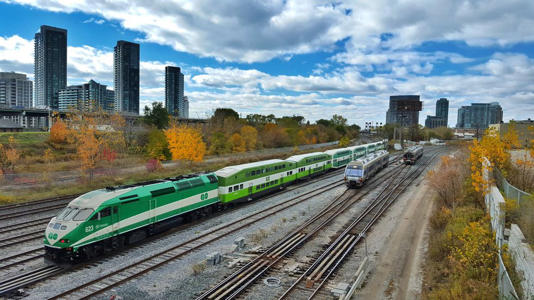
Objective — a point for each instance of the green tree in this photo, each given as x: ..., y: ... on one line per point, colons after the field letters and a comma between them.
x: 219, y: 144
x: 157, y: 115
x: 158, y: 146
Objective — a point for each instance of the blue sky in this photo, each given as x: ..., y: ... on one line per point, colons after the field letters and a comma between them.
x: 312, y: 58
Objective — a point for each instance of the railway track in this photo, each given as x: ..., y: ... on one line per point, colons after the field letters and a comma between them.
x: 33, y: 211
x: 25, y: 224
x: 324, y: 267
x: 140, y: 267
x: 237, y: 282
x: 21, y: 238
x: 241, y: 280
x: 21, y: 257
x: 14, y: 283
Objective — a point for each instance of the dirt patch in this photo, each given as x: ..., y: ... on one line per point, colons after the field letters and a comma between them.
x: 397, y: 272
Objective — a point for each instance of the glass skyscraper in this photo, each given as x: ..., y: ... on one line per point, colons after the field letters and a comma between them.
x: 479, y: 115
x: 50, y: 65
x: 442, y: 115
x: 126, y: 80
x: 174, y: 91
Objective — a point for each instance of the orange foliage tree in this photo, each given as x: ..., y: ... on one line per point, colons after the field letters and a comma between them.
x: 9, y: 156
x: 59, y: 131
x: 238, y: 143
x: 185, y: 143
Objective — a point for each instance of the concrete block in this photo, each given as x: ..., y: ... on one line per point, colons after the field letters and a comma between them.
x: 340, y: 289
x: 240, y: 242
x: 214, y: 258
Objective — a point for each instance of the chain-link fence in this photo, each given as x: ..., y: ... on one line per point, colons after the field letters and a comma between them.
x: 510, y: 191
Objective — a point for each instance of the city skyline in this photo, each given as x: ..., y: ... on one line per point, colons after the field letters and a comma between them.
x: 334, y: 69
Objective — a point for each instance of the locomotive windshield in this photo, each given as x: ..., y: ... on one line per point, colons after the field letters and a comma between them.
x: 75, y: 214
x: 357, y: 171
x: 83, y: 214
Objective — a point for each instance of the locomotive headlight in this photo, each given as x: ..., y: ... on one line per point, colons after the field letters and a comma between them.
x: 64, y: 241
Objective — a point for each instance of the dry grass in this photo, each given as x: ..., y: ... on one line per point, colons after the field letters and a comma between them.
x: 258, y: 236
x: 198, y: 268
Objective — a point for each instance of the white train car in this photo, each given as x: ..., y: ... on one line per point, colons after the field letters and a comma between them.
x: 357, y: 172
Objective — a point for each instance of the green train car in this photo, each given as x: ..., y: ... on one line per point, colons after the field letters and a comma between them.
x: 106, y: 219
x: 340, y: 157
x: 248, y: 181
x: 311, y: 164
x: 358, y: 151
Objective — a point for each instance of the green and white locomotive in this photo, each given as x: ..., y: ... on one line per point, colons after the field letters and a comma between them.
x: 106, y: 219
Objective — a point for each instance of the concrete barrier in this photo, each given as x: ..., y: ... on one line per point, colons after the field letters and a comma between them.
x: 524, y: 260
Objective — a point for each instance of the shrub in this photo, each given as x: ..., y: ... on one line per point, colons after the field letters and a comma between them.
x: 439, y: 220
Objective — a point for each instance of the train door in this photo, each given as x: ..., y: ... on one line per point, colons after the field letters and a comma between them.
x: 115, y: 220
x: 152, y: 211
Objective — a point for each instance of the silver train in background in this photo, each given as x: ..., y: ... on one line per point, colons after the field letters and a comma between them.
x: 412, y: 154
x: 357, y: 172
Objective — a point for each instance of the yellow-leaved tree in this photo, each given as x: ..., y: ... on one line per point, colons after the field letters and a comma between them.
x: 250, y: 136
x: 495, y: 149
x: 185, y: 143
x: 238, y: 143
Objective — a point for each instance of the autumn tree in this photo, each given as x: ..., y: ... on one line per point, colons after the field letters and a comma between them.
x: 344, y: 142
x: 238, y: 143
x: 9, y: 156
x: 88, y: 145
x: 219, y: 144
x: 250, y: 136
x: 59, y: 131
x: 185, y: 143
x: 157, y: 146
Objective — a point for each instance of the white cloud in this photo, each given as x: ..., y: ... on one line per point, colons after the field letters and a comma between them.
x: 251, y: 31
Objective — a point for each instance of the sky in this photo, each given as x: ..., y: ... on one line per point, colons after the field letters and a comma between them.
x: 294, y: 57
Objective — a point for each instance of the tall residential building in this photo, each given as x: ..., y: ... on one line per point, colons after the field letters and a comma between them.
x: 186, y: 108
x: 90, y: 96
x: 126, y: 69
x: 404, y: 110
x: 441, y: 117
x: 174, y: 91
x: 479, y: 115
x: 442, y: 109
x: 50, y: 65
x: 15, y: 90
